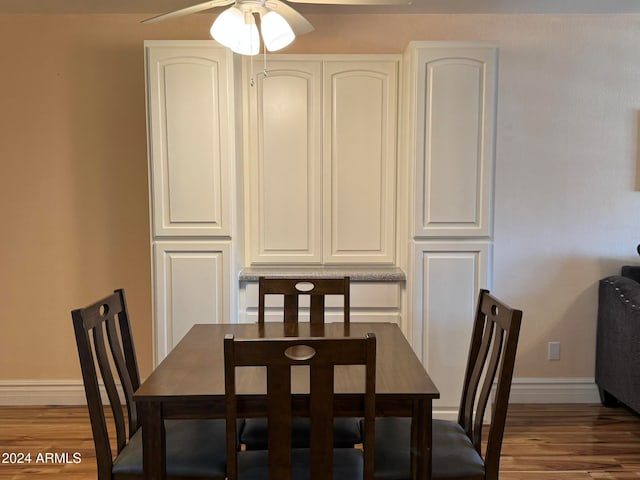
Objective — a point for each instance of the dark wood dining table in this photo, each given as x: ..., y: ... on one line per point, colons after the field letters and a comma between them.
x: 189, y: 383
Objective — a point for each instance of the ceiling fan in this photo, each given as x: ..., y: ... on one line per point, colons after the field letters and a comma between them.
x: 236, y: 27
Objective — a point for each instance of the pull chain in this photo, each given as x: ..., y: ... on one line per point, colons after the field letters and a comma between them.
x: 251, y: 81
x: 264, y: 53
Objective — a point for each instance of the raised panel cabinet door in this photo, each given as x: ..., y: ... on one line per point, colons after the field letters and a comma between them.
x: 360, y: 148
x: 285, y: 169
x: 192, y: 284
x: 191, y: 146
x: 447, y: 278
x: 455, y: 103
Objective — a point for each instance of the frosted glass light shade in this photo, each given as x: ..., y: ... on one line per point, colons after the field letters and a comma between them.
x: 225, y: 27
x: 276, y: 32
x: 230, y: 30
x: 248, y: 42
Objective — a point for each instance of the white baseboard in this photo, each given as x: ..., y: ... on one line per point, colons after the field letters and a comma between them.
x: 523, y: 390
x: 554, y: 390
x: 538, y: 390
x: 45, y: 392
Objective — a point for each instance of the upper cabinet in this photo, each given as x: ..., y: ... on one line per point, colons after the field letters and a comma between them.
x: 284, y: 174
x: 191, y: 138
x: 452, y: 88
x: 359, y: 161
x: 321, y: 160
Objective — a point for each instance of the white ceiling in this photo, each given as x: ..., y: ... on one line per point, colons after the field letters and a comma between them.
x: 418, y: 6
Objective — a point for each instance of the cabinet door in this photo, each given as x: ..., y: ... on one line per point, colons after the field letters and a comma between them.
x: 285, y: 170
x: 360, y: 131
x: 192, y: 284
x: 454, y: 115
x: 447, y: 278
x: 191, y: 147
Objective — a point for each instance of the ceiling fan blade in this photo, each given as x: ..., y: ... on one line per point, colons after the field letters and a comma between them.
x: 200, y: 7
x: 355, y: 2
x: 298, y: 23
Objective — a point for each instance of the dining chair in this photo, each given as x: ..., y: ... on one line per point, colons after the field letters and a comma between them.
x: 194, y: 448
x: 457, y: 445
x: 281, y: 461
x: 291, y: 291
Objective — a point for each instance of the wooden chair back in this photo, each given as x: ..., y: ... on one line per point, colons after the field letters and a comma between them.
x: 294, y: 288
x: 103, y: 338
x: 278, y: 355
x: 491, y: 358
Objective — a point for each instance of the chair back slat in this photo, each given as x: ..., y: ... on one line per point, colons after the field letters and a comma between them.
x: 294, y: 288
x: 291, y: 307
x: 103, y: 338
x: 118, y: 357
x: 279, y: 417
x: 491, y: 361
x: 485, y: 390
x: 316, y: 312
x: 130, y: 360
x: 321, y: 431
x: 321, y: 355
x: 478, y: 370
x: 100, y: 347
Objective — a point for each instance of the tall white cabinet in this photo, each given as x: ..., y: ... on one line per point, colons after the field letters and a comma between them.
x: 191, y: 129
x: 451, y: 100
x: 321, y: 163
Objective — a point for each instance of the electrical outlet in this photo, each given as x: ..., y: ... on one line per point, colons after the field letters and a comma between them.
x: 554, y: 351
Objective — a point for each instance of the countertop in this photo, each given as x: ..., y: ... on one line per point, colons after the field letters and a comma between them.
x: 356, y: 273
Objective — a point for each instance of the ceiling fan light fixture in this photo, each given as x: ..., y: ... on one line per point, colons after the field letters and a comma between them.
x: 224, y: 28
x: 248, y: 39
x: 276, y: 32
x: 236, y: 31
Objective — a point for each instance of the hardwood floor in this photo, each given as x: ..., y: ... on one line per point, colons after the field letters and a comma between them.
x: 571, y: 442
x: 542, y: 442
x: 42, y: 430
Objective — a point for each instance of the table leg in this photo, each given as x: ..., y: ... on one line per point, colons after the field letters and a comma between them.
x: 153, y: 441
x: 421, y: 440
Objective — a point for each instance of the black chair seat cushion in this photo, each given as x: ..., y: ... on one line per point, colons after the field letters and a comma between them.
x: 453, y: 453
x: 346, y: 433
x: 193, y: 450
x: 348, y: 464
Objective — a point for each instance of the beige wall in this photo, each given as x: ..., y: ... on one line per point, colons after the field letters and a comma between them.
x: 74, y: 175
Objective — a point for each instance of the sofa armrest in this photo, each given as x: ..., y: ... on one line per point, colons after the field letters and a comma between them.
x: 618, y: 339
x: 626, y: 287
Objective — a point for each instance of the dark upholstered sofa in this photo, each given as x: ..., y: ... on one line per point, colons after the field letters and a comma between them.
x: 618, y: 339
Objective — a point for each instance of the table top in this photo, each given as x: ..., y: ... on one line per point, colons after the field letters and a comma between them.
x: 194, y: 369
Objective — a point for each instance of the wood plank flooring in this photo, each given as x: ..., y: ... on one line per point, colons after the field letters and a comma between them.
x: 571, y: 442
x: 42, y: 430
x: 542, y: 442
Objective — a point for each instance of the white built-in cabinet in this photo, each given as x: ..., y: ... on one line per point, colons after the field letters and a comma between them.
x: 191, y: 130
x: 450, y: 136
x: 191, y: 285
x: 321, y: 162
x: 453, y: 138
x: 332, y: 165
